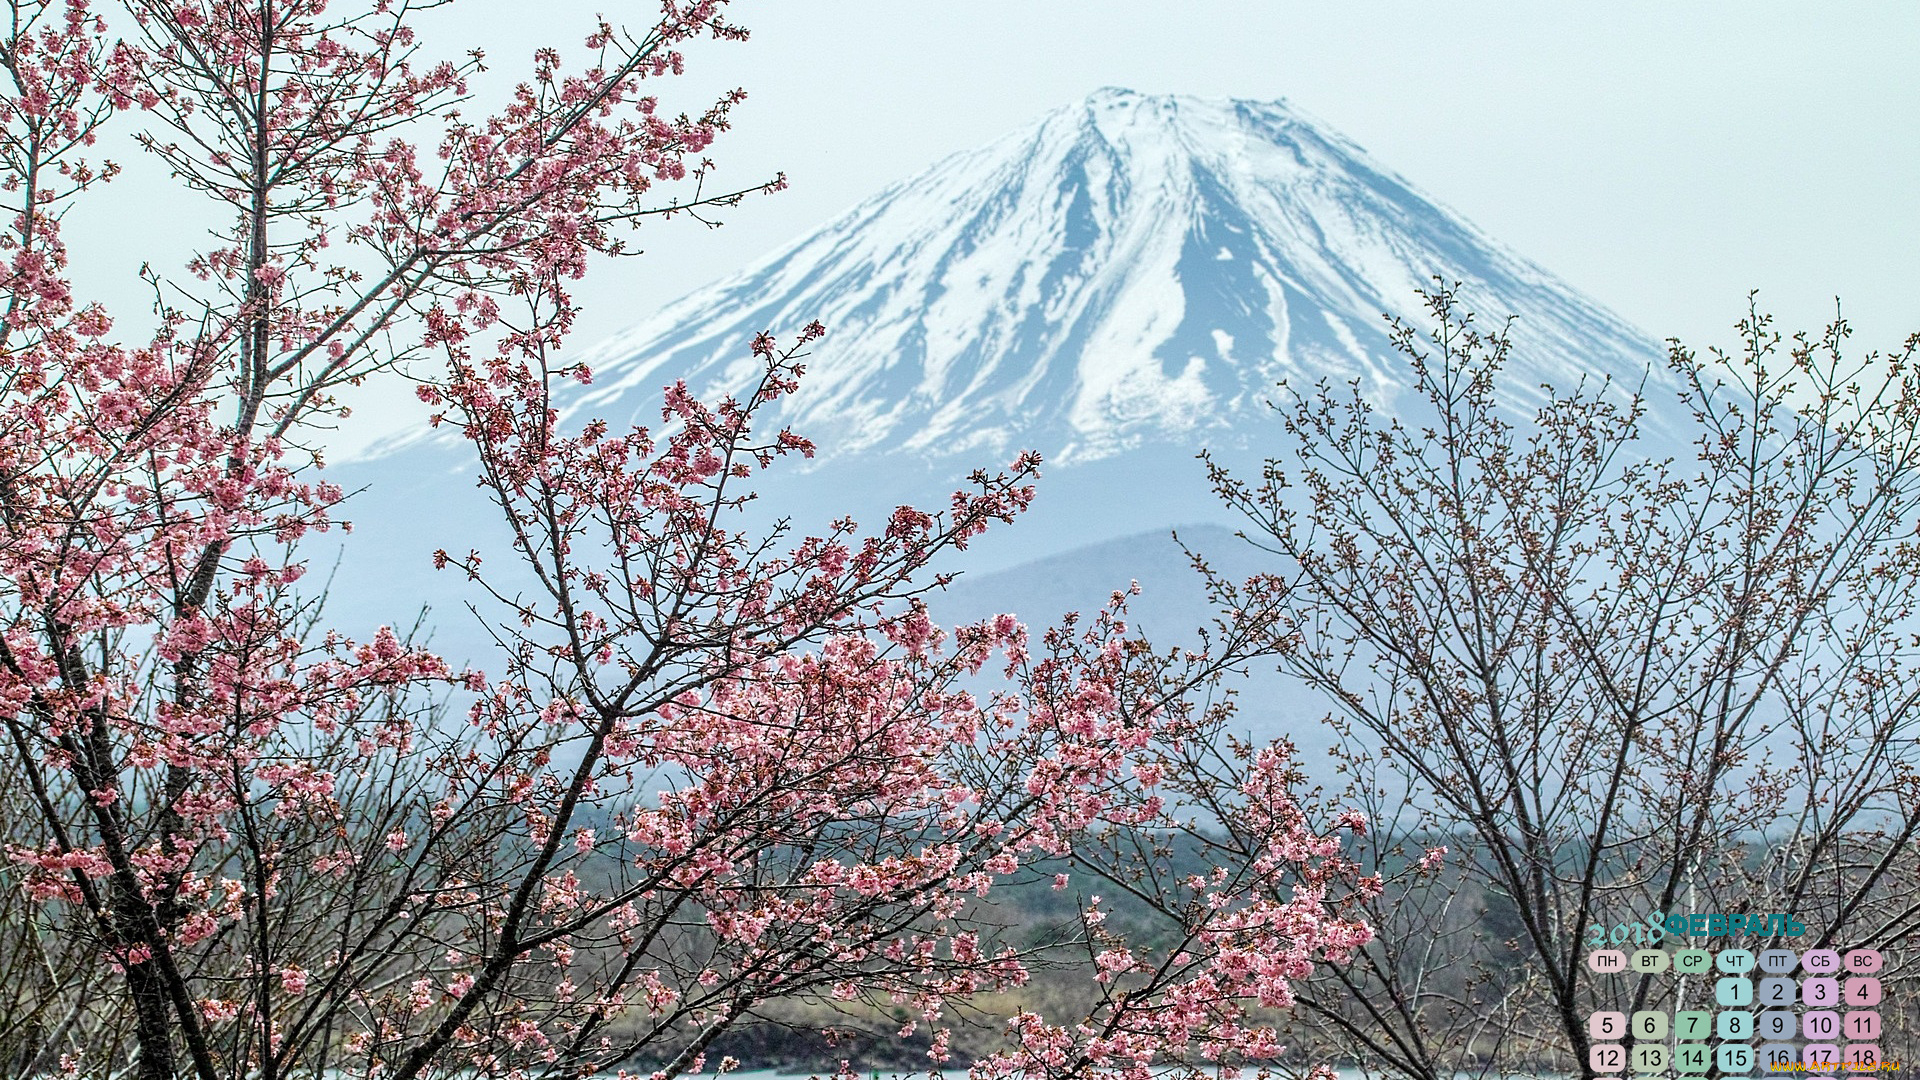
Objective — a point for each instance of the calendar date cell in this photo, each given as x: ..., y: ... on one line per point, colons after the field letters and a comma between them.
x: 1861, y: 1025
x: 1820, y: 993
x: 1861, y: 991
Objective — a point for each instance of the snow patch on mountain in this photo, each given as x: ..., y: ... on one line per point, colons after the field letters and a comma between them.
x: 1129, y: 269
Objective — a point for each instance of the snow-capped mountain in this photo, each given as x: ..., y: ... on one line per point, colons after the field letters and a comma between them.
x: 1127, y: 270
x: 1116, y: 285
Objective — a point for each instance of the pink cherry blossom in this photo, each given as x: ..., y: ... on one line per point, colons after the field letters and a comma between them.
x: 713, y: 764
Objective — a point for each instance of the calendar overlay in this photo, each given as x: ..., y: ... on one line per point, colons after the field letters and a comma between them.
x: 1733, y: 1011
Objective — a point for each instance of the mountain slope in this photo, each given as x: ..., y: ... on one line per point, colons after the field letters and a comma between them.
x: 1127, y: 270
x: 1116, y: 285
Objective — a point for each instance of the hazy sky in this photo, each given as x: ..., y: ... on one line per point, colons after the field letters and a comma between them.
x: 1662, y: 157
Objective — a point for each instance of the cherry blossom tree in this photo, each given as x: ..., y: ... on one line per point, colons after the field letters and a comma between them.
x: 1621, y: 666
x: 714, y: 767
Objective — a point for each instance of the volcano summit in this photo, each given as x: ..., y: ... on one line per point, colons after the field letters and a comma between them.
x: 1127, y: 270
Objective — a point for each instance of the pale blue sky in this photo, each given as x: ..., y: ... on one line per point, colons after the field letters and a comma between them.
x: 1663, y: 157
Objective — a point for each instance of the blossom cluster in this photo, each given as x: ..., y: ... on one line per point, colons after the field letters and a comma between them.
x: 713, y: 764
